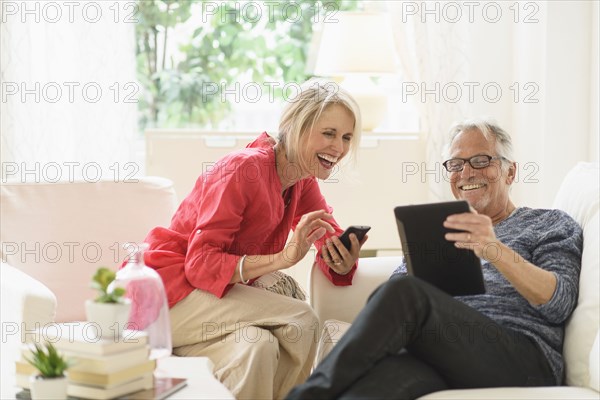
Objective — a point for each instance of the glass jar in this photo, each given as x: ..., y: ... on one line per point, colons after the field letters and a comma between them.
x: 149, y: 306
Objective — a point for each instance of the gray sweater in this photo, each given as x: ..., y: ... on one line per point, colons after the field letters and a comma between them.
x: 552, y: 240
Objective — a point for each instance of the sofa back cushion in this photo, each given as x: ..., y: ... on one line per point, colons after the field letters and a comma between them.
x: 60, y: 233
x: 579, y: 197
x: 595, y: 364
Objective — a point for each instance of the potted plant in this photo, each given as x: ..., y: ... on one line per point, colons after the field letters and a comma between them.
x: 51, y: 382
x: 110, y: 310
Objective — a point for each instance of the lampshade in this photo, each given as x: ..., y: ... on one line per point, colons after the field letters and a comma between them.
x: 356, y: 46
x: 357, y: 42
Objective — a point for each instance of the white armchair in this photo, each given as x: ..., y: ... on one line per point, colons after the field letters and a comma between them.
x: 578, y: 196
x: 60, y: 233
x: 53, y: 237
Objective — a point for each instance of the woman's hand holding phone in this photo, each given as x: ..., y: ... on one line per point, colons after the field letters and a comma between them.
x: 341, y: 253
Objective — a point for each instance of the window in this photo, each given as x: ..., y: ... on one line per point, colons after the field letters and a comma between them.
x: 223, y: 65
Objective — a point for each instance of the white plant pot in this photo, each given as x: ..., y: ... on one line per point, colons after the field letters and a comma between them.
x: 111, y: 318
x: 48, y: 388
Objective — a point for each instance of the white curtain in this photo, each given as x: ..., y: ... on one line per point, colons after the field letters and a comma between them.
x: 542, y: 56
x: 434, y: 65
x: 69, y: 91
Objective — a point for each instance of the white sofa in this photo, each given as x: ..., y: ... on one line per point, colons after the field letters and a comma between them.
x: 578, y: 196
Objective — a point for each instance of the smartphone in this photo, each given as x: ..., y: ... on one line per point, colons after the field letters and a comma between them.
x: 358, y: 230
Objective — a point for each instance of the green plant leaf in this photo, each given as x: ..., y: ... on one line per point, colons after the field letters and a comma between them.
x: 47, y: 360
x: 100, y: 281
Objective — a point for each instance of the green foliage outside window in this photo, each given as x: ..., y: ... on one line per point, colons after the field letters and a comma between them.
x: 231, y: 43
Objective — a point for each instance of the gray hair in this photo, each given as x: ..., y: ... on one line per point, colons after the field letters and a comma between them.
x: 490, y: 129
x: 302, y: 112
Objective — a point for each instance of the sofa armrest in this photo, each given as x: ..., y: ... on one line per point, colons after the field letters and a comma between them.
x: 27, y: 304
x: 343, y: 303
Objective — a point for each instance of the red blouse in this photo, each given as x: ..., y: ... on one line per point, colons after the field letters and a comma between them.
x: 235, y: 208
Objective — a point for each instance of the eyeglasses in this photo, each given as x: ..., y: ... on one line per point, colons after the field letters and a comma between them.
x: 477, y: 162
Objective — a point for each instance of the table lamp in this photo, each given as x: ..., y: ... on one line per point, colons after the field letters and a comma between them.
x: 356, y: 47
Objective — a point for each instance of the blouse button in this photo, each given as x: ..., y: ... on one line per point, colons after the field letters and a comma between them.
x: 198, y: 231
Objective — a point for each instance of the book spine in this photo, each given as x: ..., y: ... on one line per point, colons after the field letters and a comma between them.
x: 89, y: 392
x: 110, y: 380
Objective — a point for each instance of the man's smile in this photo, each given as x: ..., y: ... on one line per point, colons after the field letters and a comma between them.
x: 471, y: 186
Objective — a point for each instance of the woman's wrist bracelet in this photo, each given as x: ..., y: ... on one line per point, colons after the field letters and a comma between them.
x: 241, y: 267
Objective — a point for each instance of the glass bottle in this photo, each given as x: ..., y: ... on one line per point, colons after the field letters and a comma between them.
x: 149, y: 306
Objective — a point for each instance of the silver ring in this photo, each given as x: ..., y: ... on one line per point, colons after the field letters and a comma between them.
x: 337, y: 263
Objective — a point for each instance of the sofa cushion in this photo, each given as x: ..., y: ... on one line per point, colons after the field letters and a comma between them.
x: 578, y: 196
x: 60, y: 233
x: 578, y: 193
x: 595, y: 364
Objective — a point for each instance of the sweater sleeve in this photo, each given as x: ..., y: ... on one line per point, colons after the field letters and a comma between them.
x: 401, y: 269
x: 559, y: 251
x: 210, y: 262
x: 312, y: 200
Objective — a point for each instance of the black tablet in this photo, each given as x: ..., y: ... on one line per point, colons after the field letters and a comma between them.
x: 429, y: 256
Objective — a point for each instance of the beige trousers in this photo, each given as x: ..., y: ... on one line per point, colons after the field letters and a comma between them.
x: 261, y: 343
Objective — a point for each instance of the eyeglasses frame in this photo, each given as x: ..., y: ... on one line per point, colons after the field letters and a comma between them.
x: 468, y: 160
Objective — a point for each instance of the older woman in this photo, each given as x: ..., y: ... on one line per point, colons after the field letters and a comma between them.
x: 232, y: 229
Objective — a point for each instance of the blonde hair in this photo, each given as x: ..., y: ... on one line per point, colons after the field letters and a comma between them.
x: 303, y: 111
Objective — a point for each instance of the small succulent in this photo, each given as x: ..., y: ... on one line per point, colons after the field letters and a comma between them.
x: 100, y: 281
x: 48, y: 361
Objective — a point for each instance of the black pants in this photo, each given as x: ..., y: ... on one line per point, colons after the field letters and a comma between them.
x: 412, y: 339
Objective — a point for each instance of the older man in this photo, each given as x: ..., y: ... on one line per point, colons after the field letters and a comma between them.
x: 412, y: 339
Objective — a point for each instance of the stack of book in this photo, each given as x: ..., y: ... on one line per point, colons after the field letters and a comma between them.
x: 100, y: 368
